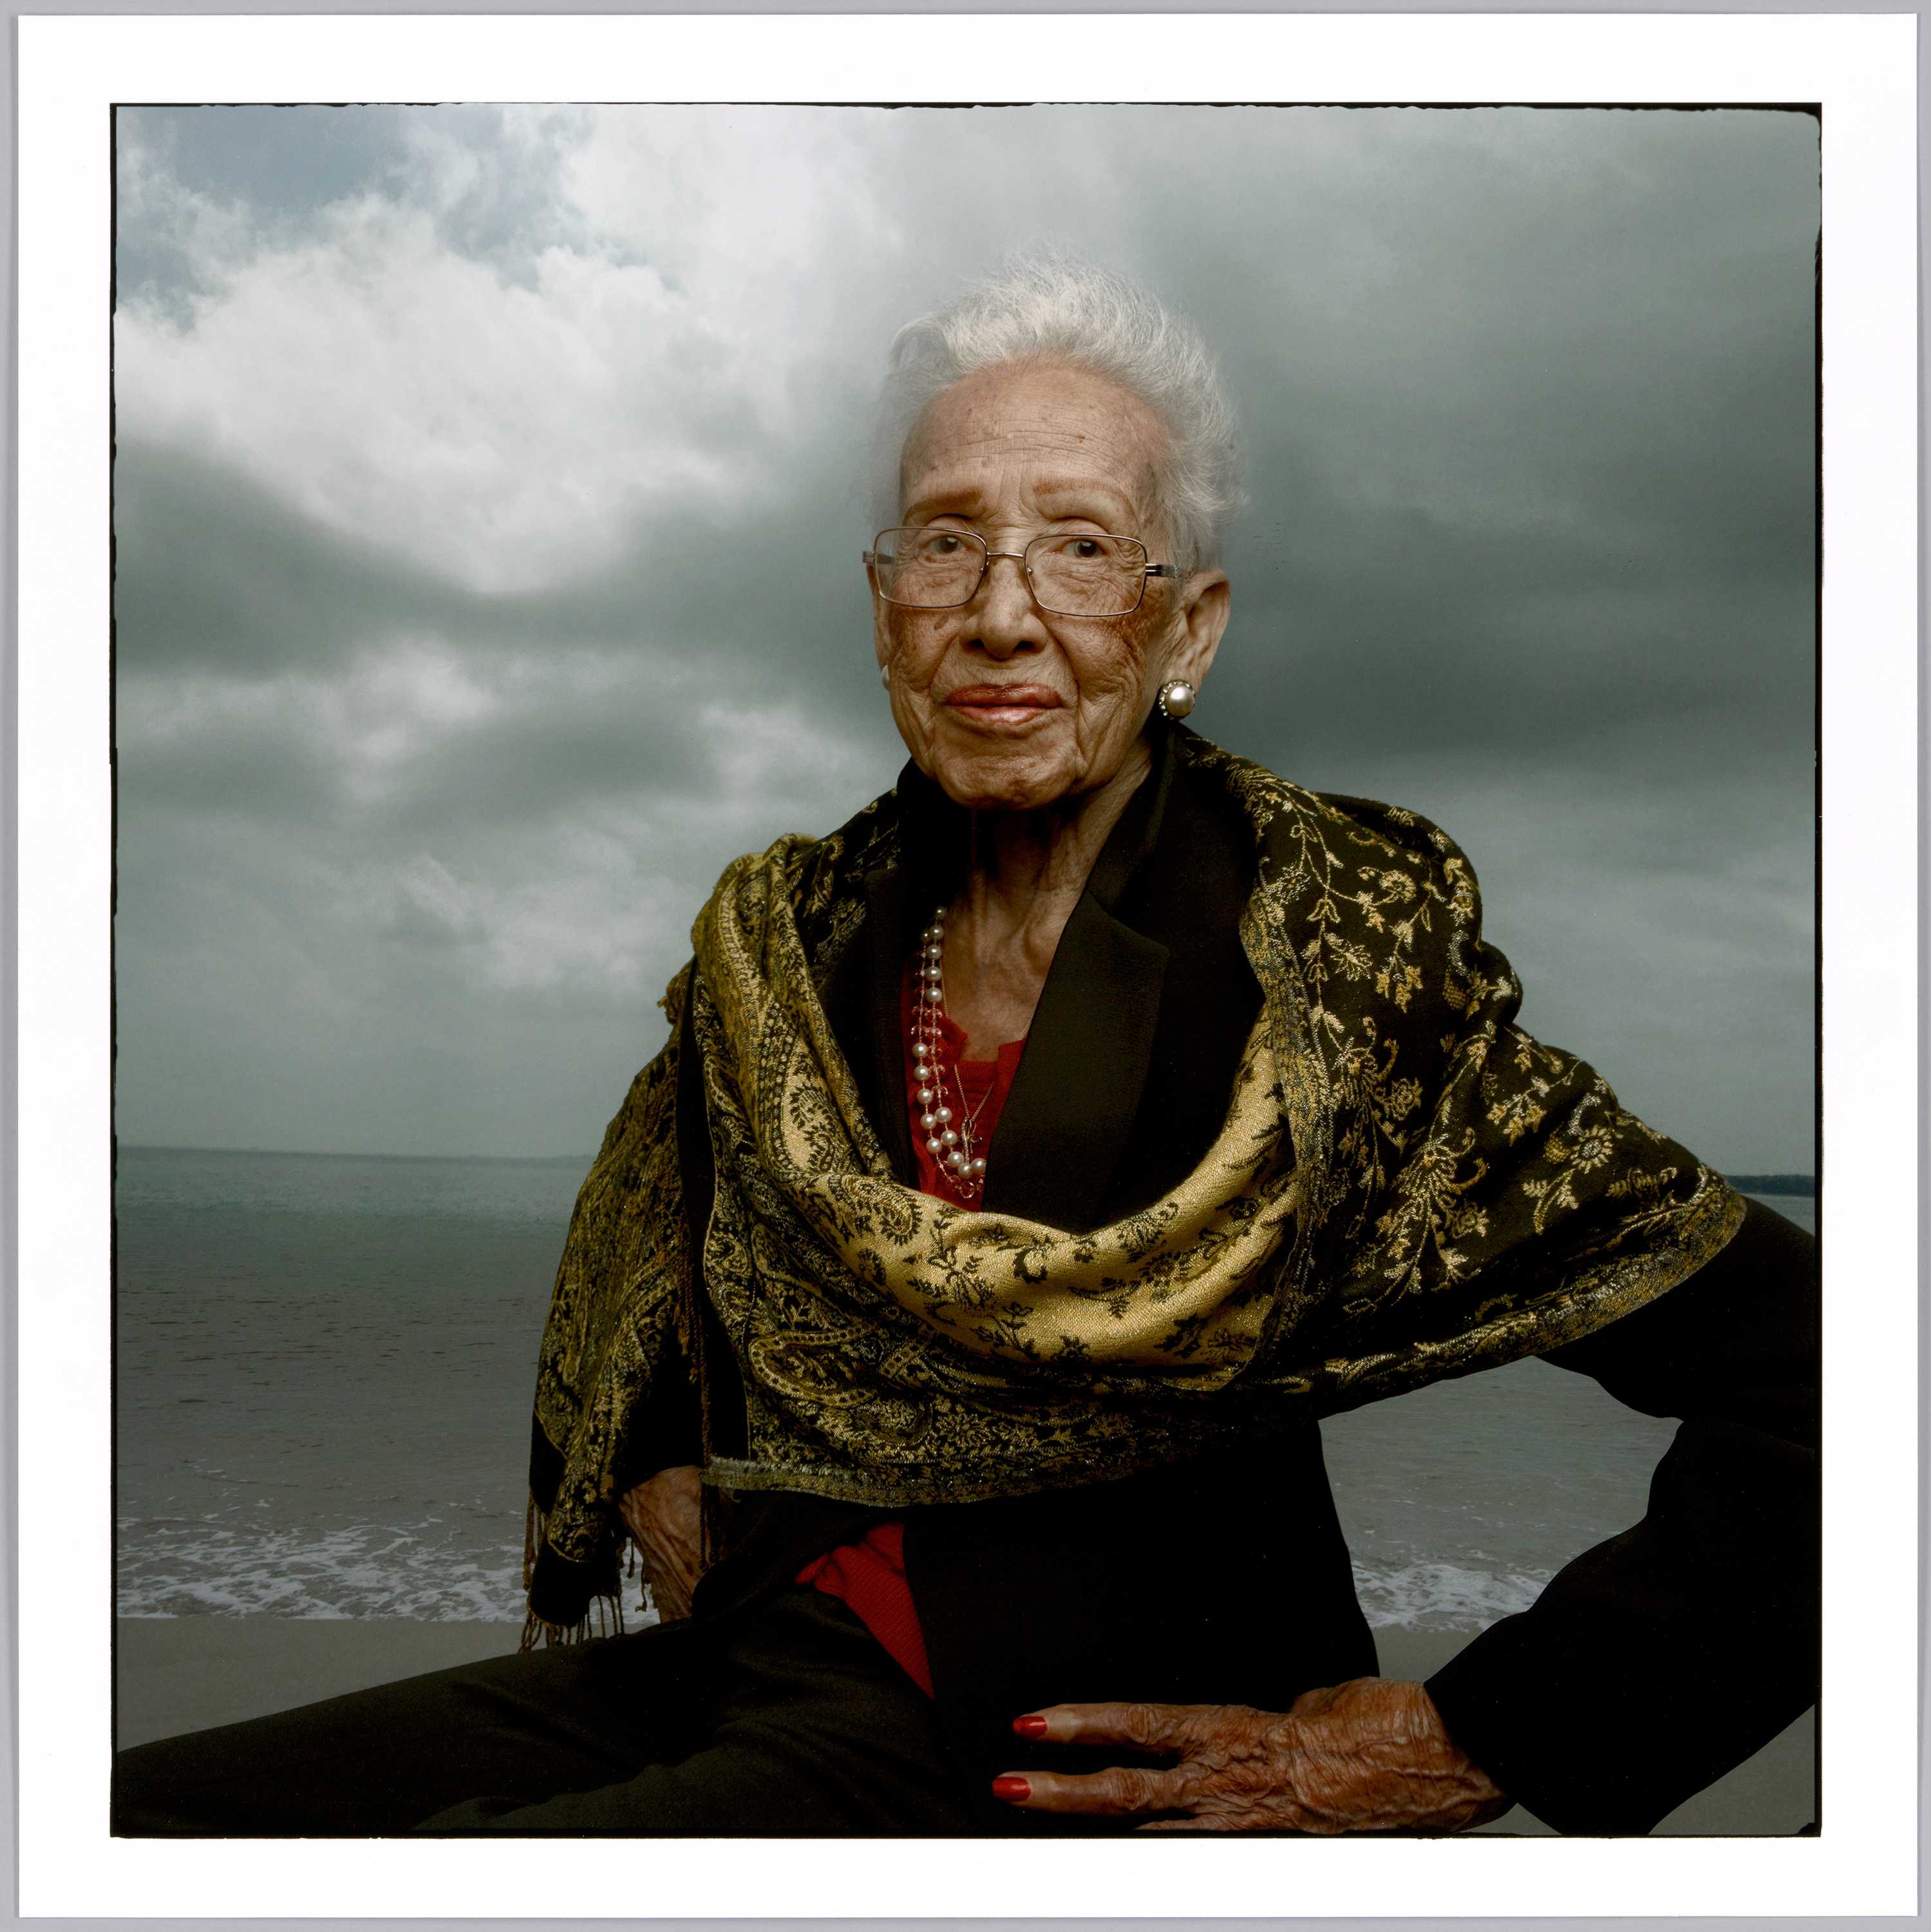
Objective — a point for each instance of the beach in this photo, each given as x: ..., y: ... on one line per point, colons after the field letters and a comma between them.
x: 179, y: 1674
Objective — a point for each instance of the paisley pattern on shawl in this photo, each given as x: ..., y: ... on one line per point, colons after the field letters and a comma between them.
x: 1406, y: 1187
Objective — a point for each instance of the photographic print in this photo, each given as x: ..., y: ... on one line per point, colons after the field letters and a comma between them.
x: 490, y: 487
x: 993, y: 973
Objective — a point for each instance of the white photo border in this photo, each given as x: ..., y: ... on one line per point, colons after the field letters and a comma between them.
x: 1860, y: 69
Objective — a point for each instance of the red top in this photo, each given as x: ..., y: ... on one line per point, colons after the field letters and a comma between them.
x: 870, y: 1576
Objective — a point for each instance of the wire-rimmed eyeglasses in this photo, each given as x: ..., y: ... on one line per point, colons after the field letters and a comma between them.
x: 1070, y: 573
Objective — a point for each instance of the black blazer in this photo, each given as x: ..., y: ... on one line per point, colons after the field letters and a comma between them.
x: 1646, y: 1669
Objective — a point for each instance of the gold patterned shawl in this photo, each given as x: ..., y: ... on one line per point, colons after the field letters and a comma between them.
x: 1407, y: 1187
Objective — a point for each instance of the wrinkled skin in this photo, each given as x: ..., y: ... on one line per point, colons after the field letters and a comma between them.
x: 1009, y: 453
x: 662, y: 1517
x: 1371, y: 1755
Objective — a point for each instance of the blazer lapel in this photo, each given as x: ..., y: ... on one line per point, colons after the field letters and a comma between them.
x: 1077, y: 1093
x: 1078, y: 1089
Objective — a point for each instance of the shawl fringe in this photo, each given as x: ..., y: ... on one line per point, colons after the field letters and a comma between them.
x: 604, y: 1618
x: 603, y: 1615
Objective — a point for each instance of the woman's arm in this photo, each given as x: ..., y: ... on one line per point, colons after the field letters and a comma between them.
x: 663, y: 1516
x: 1662, y: 1659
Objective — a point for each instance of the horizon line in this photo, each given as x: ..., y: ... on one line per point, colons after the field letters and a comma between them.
x: 334, y: 1154
x: 1741, y: 1175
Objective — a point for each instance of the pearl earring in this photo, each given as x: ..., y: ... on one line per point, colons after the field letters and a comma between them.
x: 1176, y: 699
x: 885, y: 677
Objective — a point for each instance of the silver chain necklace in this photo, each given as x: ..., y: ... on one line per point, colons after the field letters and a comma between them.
x: 951, y: 1134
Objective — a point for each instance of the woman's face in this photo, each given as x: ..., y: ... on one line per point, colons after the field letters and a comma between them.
x: 1007, y: 706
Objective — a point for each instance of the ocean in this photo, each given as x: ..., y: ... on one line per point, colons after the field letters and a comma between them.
x: 324, y: 1365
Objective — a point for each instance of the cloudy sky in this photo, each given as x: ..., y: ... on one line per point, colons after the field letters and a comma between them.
x: 490, y: 489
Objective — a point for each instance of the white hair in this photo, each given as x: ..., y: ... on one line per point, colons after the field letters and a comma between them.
x: 1051, y: 306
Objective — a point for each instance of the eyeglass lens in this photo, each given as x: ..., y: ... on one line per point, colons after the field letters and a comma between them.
x: 1077, y: 574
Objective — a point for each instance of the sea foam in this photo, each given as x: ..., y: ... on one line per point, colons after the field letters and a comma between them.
x: 356, y: 1570
x: 1444, y: 1596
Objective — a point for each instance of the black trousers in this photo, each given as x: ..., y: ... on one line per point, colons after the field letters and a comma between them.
x: 779, y: 1718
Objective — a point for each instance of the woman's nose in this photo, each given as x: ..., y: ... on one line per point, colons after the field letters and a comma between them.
x: 1006, y: 619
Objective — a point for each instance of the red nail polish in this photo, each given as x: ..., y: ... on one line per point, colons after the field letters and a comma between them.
x: 1029, y: 1727
x: 1014, y: 1790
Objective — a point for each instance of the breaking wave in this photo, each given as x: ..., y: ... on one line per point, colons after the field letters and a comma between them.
x: 356, y: 1570
x: 1444, y: 1596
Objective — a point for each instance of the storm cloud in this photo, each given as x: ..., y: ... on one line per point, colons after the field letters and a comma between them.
x: 490, y: 483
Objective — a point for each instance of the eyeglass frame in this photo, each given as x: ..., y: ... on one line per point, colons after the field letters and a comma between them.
x: 988, y: 554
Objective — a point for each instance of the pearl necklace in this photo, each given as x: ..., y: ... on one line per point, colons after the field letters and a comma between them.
x: 949, y: 1135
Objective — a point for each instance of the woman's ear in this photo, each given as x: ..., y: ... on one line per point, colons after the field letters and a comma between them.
x: 1205, y: 603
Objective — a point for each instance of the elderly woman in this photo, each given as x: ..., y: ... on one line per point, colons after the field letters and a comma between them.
x: 1033, y: 1161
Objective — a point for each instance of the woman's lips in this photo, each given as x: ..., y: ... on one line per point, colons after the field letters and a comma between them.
x: 1004, y: 703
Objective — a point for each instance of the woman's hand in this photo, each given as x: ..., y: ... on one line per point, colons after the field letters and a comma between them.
x: 662, y: 1515
x: 1371, y: 1755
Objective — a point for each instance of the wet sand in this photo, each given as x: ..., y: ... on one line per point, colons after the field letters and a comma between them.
x: 179, y: 1674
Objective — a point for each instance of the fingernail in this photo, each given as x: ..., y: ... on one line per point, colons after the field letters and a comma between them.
x: 1014, y: 1790
x: 1033, y: 1727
